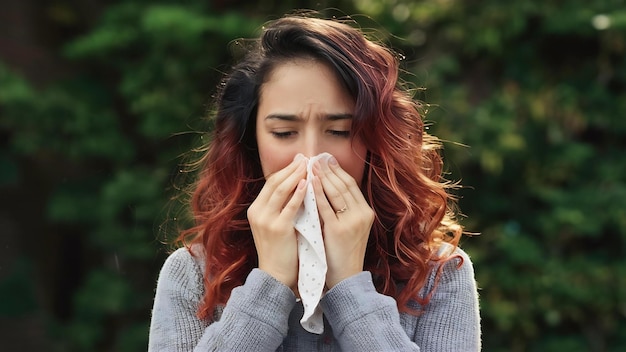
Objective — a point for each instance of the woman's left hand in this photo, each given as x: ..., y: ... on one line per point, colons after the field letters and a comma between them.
x: 347, y: 220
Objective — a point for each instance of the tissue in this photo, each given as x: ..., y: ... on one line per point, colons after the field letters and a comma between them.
x: 312, y: 257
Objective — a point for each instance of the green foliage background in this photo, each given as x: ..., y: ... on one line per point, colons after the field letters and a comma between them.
x: 529, y: 96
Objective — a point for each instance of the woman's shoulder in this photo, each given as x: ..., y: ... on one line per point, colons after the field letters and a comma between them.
x: 447, y: 251
x: 451, y: 278
x: 184, y: 268
x: 185, y: 258
x: 454, y: 266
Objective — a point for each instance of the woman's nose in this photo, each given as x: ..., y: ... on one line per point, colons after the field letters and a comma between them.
x: 311, y: 147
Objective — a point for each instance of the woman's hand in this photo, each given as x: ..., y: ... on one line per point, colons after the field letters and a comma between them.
x: 271, y: 218
x: 347, y: 220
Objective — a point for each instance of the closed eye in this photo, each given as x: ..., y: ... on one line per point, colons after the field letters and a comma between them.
x: 339, y: 133
x: 283, y: 135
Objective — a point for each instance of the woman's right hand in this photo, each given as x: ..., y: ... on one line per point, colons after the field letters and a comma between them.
x: 271, y: 217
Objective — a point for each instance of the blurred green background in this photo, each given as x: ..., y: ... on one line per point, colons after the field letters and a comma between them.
x: 101, y: 101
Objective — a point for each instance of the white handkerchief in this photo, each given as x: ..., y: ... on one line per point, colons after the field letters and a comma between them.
x: 312, y: 257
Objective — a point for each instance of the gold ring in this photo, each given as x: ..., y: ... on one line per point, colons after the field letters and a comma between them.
x: 345, y: 207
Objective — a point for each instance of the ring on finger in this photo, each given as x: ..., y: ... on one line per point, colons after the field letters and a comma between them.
x: 345, y: 207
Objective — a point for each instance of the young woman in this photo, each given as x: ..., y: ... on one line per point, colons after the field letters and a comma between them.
x: 395, y: 279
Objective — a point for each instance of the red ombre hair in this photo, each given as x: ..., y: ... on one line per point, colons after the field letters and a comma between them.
x: 403, y: 178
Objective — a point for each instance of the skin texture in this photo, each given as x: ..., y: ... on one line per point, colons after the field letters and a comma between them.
x: 304, y: 111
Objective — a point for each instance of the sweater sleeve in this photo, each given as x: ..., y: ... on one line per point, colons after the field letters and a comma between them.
x: 363, y: 319
x: 451, y: 319
x: 255, y: 317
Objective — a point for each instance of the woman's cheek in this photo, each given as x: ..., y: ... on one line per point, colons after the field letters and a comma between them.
x: 272, y: 162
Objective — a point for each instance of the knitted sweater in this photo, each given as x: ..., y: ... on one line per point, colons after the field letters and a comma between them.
x: 264, y: 315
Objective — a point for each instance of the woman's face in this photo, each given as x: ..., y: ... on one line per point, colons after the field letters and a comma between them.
x: 303, y: 108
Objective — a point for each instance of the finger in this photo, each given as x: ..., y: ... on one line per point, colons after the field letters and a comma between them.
x: 345, y: 177
x: 292, y: 207
x: 324, y: 208
x: 335, y: 188
x: 282, y: 193
x: 280, y: 184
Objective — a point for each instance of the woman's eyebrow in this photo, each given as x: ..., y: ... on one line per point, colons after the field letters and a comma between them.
x: 283, y: 117
x: 336, y: 117
x: 291, y: 117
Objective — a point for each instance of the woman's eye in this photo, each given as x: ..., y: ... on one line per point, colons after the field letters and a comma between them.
x: 339, y: 133
x: 283, y: 134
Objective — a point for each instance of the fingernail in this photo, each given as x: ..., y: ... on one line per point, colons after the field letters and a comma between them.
x: 332, y: 161
x: 299, y: 157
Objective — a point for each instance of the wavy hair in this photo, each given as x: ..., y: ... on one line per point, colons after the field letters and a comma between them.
x: 403, y: 180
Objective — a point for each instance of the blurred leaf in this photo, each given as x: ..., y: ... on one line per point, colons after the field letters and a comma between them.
x: 17, y: 294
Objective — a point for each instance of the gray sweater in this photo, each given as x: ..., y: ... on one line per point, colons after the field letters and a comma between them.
x: 264, y: 315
